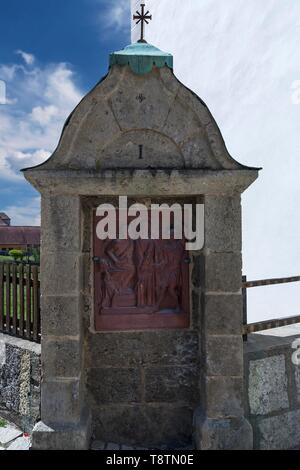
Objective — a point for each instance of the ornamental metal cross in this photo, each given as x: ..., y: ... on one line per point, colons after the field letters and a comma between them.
x: 142, y: 18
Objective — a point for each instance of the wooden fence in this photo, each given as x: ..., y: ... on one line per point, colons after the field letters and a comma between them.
x: 20, y: 301
x: 268, y: 324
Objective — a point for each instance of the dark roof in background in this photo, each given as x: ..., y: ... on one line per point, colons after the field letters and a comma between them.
x: 20, y: 235
x: 4, y: 216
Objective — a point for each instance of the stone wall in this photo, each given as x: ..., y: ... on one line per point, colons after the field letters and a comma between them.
x: 273, y: 386
x: 156, y: 381
x: 142, y: 386
x: 20, y: 381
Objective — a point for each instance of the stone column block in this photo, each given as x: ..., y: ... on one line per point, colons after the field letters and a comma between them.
x: 61, y: 358
x: 223, y: 223
x: 61, y: 316
x: 60, y: 223
x: 62, y: 402
x: 224, y: 356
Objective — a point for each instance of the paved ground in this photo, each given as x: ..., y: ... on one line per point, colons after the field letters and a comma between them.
x: 12, y: 438
x: 99, y: 445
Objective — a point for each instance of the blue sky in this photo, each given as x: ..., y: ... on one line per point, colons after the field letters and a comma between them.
x: 51, y: 54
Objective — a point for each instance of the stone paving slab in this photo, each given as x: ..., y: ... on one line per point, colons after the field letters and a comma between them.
x: 22, y: 443
x: 8, y: 434
x: 100, y: 445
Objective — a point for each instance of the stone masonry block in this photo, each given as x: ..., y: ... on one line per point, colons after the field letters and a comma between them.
x: 61, y: 402
x: 61, y: 223
x: 115, y: 385
x: 223, y: 272
x: 63, y: 437
x: 60, y: 316
x: 297, y: 377
x: 223, y: 314
x: 224, y: 397
x: 223, y: 223
x: 172, y: 384
x: 268, y: 386
x: 222, y: 434
x: 148, y: 348
x: 60, y: 274
x: 144, y: 425
x: 61, y: 358
x: 198, y: 273
x: 280, y: 432
x: 224, y: 355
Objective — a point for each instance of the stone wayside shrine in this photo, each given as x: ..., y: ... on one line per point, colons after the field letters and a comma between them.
x: 121, y: 363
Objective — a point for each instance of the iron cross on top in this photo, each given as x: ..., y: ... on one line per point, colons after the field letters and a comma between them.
x: 142, y: 18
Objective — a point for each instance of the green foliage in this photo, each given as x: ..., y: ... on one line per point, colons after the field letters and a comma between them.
x: 36, y: 255
x: 3, y: 423
x: 17, y: 254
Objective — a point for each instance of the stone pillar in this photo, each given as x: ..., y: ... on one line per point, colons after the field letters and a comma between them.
x: 220, y: 422
x: 65, y: 422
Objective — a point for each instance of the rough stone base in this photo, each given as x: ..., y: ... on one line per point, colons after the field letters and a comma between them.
x: 222, y: 434
x: 67, y: 438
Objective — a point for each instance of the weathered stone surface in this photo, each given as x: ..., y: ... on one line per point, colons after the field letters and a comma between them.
x: 268, y: 385
x: 20, y: 381
x: 144, y: 425
x: 132, y: 113
x: 61, y: 316
x: 224, y: 397
x: 22, y: 444
x: 223, y: 314
x: 57, y: 281
x: 198, y: 273
x: 10, y: 378
x: 61, y: 402
x: 8, y: 434
x: 112, y: 446
x: 224, y: 355
x: 197, y: 152
x: 173, y: 126
x: 62, y: 438
x: 148, y: 348
x: 124, y: 152
x: 98, y: 445
x: 115, y: 385
x: 61, y: 358
x: 172, y: 384
x: 143, y: 182
x: 280, y: 432
x: 223, y: 272
x: 61, y: 218
x: 103, y: 128
x: 297, y: 378
x: 223, y: 223
x: 222, y: 434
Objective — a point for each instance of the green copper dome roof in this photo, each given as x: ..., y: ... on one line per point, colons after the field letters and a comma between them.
x: 141, y: 57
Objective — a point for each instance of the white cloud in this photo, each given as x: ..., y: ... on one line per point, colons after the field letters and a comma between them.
x: 115, y: 14
x: 41, y: 99
x: 29, y: 59
x: 242, y: 58
x: 25, y: 215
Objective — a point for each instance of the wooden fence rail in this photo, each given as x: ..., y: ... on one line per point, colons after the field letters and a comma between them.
x: 20, y: 301
x: 268, y: 324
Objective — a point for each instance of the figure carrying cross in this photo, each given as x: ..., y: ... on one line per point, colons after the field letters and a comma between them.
x: 142, y: 18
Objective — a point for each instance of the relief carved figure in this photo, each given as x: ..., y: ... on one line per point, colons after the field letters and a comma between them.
x: 118, y: 274
x: 142, y: 277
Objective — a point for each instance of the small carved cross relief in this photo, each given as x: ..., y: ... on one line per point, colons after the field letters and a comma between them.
x: 141, y: 98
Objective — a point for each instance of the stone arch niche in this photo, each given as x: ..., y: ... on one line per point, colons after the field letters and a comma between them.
x: 143, y: 135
